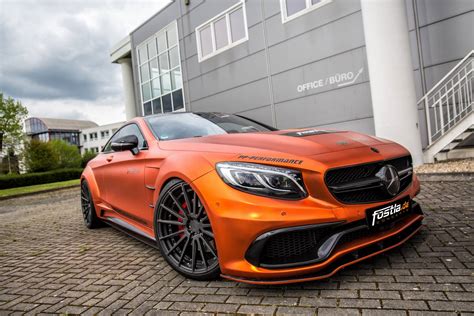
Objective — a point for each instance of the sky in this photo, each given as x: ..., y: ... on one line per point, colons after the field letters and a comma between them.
x: 54, y: 55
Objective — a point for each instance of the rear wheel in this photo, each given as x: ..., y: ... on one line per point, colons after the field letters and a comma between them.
x: 184, y: 233
x: 88, y: 210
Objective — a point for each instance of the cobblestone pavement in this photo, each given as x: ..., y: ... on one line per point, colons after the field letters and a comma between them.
x: 50, y: 263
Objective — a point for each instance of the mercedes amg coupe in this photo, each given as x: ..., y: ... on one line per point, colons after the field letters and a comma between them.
x: 224, y: 195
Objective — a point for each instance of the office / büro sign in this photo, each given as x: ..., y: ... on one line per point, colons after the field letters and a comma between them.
x: 338, y: 79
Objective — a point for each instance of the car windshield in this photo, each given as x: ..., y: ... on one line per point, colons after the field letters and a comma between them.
x: 188, y: 125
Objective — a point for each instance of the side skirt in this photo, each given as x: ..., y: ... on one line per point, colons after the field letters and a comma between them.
x: 131, y: 231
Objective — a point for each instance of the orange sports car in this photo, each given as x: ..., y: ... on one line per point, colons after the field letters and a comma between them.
x: 224, y: 195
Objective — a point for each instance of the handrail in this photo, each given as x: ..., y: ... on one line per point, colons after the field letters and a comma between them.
x: 450, y: 100
x: 470, y: 54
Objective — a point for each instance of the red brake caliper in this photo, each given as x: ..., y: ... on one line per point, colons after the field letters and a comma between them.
x: 181, y: 227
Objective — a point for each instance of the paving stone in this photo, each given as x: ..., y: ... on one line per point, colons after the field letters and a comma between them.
x: 255, y: 309
x: 285, y: 310
x: 70, y: 269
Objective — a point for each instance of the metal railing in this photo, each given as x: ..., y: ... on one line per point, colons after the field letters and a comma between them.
x: 450, y: 100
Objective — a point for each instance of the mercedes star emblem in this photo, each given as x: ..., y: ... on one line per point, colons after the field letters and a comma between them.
x: 388, y: 175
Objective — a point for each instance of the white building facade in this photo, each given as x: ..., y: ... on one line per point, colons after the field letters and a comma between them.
x: 94, y: 139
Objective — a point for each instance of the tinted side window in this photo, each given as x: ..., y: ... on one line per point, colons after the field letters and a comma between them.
x: 131, y: 129
x: 107, y: 147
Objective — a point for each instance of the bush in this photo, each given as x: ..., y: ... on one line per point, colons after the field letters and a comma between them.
x: 40, y: 156
x: 21, y: 180
x: 86, y: 157
x: 67, y: 155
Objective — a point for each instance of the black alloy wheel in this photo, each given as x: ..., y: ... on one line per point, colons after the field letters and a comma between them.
x: 184, y: 232
x: 87, y: 206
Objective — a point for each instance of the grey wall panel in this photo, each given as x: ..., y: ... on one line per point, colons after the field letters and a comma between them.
x: 278, y: 31
x: 414, y: 50
x: 365, y: 126
x: 186, y: 9
x: 410, y: 14
x: 422, y: 127
x: 254, y: 12
x: 334, y: 38
x: 156, y: 23
x: 242, y: 98
x: 262, y: 114
x: 230, y: 76
x: 271, y: 8
x: 448, y: 40
x: 435, y: 10
x: 417, y: 75
x: 330, y: 107
x: 252, y: 46
x: 191, y: 46
x: 328, y: 70
x: 435, y: 73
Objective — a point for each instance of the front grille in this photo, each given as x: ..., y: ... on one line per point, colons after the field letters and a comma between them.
x: 366, y: 192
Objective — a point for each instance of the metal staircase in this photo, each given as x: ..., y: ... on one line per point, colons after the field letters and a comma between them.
x: 449, y: 113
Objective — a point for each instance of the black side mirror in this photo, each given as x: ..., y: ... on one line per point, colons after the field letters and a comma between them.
x: 125, y: 143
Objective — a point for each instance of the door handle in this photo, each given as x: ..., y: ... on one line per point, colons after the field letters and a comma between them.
x: 109, y: 158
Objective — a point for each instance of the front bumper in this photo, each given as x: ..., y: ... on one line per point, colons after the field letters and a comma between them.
x: 239, y: 219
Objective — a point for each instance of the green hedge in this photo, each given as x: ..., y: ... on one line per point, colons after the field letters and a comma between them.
x: 21, y: 180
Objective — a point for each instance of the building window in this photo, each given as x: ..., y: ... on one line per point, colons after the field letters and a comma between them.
x: 93, y: 136
x: 222, y: 32
x: 85, y: 137
x: 104, y: 134
x: 161, y: 83
x: 291, y: 9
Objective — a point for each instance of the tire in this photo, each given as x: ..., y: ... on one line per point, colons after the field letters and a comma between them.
x: 87, y: 206
x: 184, y: 234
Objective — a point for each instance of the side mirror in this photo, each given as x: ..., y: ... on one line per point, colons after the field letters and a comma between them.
x: 125, y: 143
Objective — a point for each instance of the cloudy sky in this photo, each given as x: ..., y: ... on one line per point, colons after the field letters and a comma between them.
x: 54, y: 54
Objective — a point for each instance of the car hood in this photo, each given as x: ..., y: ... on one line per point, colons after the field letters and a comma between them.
x: 306, y: 142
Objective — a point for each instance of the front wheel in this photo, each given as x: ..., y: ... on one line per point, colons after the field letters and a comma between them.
x: 87, y: 206
x: 184, y: 234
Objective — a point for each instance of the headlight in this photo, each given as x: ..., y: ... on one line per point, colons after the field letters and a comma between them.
x: 263, y: 180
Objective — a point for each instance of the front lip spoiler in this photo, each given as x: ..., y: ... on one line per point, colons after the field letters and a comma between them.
x: 347, y: 257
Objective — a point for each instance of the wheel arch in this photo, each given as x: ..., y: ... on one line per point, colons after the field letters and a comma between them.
x: 88, y: 175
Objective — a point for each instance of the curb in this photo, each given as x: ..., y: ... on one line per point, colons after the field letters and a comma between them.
x: 446, y: 177
x: 2, y: 198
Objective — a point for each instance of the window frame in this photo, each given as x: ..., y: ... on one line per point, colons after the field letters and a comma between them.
x: 211, y: 22
x: 309, y: 7
x: 140, y: 63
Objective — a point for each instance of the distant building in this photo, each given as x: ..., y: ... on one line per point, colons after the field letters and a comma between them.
x: 46, y: 129
x: 94, y: 138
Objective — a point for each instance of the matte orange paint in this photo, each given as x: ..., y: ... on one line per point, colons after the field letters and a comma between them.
x: 127, y: 186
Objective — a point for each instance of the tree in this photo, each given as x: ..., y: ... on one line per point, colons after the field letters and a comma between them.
x: 40, y: 156
x: 67, y: 155
x: 86, y: 157
x: 12, y: 115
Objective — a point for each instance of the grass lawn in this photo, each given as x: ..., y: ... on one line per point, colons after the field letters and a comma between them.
x: 38, y: 188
